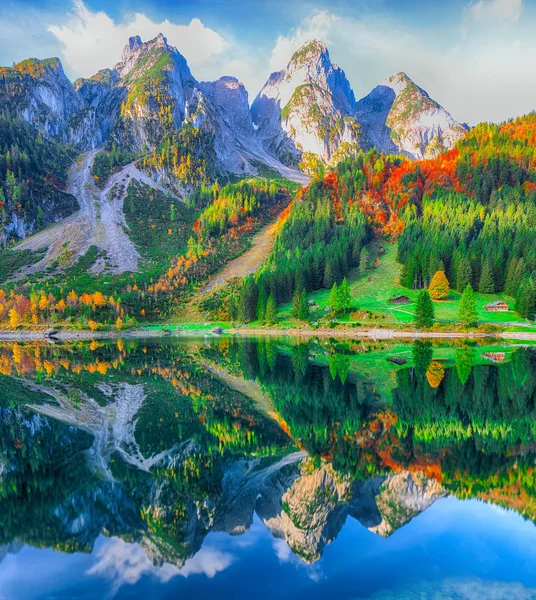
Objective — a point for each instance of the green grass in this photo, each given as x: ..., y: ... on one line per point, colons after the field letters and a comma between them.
x: 372, y: 291
x: 148, y: 214
x: 13, y: 260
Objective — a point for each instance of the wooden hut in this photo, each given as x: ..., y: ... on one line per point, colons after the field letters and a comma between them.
x: 497, y: 306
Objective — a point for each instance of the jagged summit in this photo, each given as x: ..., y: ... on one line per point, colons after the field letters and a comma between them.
x: 136, y: 50
x: 307, y: 108
x: 398, y: 116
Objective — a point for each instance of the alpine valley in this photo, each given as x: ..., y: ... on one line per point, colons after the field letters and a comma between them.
x: 143, y: 194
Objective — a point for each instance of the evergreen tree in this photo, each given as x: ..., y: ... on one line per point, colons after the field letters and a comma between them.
x: 464, y: 274
x: 261, y: 303
x: 344, y: 296
x: 486, y: 284
x: 329, y: 274
x: 422, y: 352
x: 526, y: 299
x: 247, y: 306
x: 296, y: 298
x: 424, y: 312
x: 334, y: 299
x: 271, y: 310
x: 467, y: 310
x: 303, y: 307
x: 439, y: 286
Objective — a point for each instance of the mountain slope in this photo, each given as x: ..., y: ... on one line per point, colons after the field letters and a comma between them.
x: 307, y: 108
x: 400, y: 117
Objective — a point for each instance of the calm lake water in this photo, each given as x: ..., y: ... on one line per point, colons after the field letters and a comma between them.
x: 227, y: 468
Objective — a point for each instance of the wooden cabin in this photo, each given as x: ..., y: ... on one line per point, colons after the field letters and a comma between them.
x: 400, y: 300
x: 496, y: 357
x: 497, y: 306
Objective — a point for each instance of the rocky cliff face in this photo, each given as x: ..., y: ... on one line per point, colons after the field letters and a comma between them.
x: 102, y: 97
x: 308, y: 507
x: 303, y: 114
x: 80, y: 115
x: 400, y: 117
x: 307, y: 108
x: 158, y: 81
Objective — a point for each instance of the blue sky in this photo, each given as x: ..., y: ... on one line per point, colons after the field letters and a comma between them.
x: 476, y: 57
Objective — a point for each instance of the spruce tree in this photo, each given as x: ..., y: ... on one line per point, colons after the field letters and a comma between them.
x: 345, y: 296
x: 247, y: 306
x: 296, y: 297
x: 424, y: 312
x: 303, y: 307
x: 271, y: 310
x: 486, y: 284
x: 526, y: 299
x: 439, y: 286
x: 334, y: 299
x: 329, y: 275
x: 464, y: 274
x: 261, y: 303
x: 467, y: 314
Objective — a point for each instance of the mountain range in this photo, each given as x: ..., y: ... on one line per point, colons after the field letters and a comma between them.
x: 306, y: 111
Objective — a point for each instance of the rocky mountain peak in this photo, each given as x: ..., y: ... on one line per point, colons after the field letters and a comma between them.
x: 398, y: 116
x: 310, y: 52
x: 137, y: 50
x: 307, y: 108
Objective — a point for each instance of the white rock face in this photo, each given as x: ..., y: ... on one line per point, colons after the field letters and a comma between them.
x: 305, y: 113
x: 400, y: 117
x: 307, y: 108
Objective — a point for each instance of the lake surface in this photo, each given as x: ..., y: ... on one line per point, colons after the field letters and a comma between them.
x: 231, y: 468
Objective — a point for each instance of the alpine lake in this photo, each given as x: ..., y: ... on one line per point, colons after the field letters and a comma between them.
x: 232, y: 467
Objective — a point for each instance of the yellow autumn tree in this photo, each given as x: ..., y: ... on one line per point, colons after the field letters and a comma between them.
x: 93, y: 325
x: 13, y: 318
x: 439, y: 286
x: 435, y: 374
x: 119, y: 324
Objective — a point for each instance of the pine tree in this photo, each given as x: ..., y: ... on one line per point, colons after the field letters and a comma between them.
x: 344, y: 296
x: 526, y: 299
x: 247, y: 306
x: 424, y: 312
x: 439, y: 286
x: 261, y: 303
x: 296, y: 297
x: 486, y: 284
x: 334, y: 299
x: 464, y: 274
x: 467, y: 310
x: 303, y: 307
x: 271, y: 310
x: 329, y: 275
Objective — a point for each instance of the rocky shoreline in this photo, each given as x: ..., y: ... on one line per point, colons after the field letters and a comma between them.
x: 373, y: 334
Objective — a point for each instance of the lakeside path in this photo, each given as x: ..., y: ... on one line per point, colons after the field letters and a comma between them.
x: 373, y: 334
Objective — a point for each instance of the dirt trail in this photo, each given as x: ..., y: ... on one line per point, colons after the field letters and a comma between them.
x: 99, y: 222
x: 250, y: 261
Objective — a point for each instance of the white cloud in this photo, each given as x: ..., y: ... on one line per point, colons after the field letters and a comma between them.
x: 496, y: 10
x: 91, y: 41
x: 484, y: 70
x: 475, y: 77
x: 123, y: 563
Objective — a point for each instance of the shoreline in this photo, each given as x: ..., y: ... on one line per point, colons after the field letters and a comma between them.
x: 373, y: 334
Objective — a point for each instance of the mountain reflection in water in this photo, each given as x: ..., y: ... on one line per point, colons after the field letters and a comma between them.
x: 134, y: 451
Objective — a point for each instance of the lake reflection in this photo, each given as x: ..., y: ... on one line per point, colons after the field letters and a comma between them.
x: 213, y: 467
